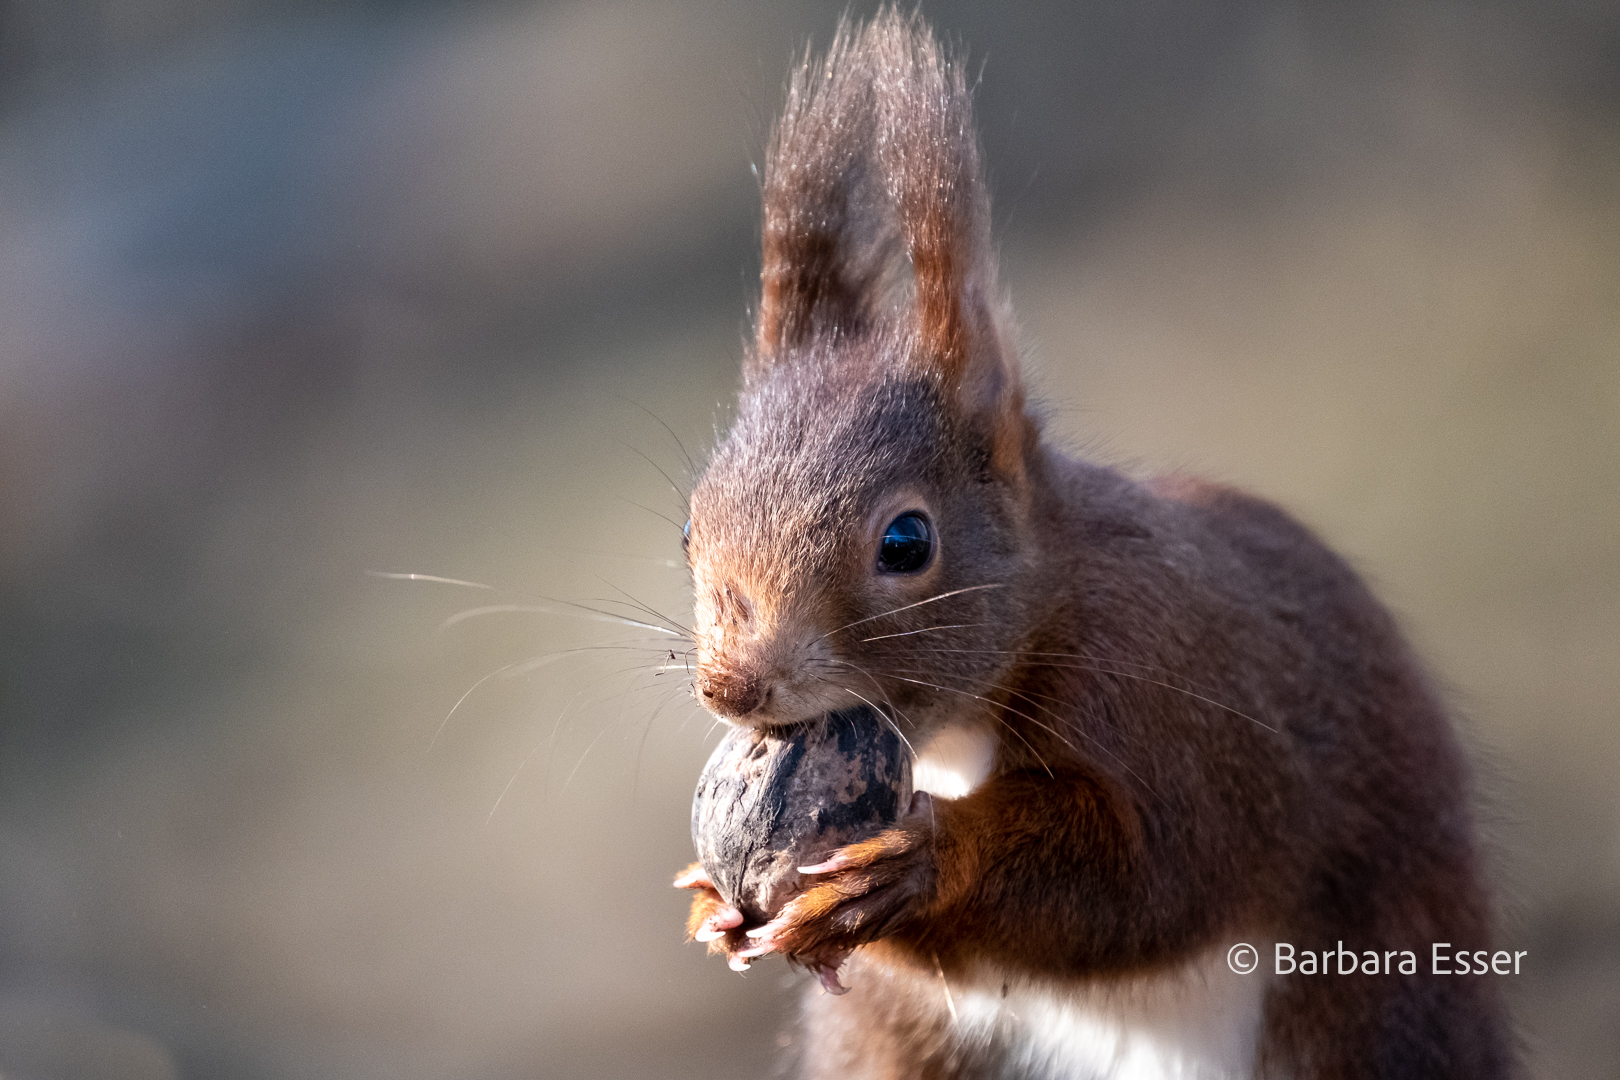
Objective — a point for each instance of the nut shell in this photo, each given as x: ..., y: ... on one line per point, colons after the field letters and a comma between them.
x: 769, y: 802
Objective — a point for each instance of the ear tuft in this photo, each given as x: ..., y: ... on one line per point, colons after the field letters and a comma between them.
x: 827, y: 245
x: 875, y: 152
x: 930, y: 161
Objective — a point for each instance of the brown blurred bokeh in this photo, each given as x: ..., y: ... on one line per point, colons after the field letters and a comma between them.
x: 290, y: 292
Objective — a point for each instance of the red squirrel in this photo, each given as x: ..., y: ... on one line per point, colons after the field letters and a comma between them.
x: 1152, y: 720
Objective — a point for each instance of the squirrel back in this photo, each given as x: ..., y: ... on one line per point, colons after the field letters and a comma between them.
x: 1156, y: 719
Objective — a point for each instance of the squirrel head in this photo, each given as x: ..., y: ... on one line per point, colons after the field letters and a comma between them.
x: 862, y: 533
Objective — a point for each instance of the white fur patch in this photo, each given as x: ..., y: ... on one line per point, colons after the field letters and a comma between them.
x: 954, y: 762
x: 1198, y: 1021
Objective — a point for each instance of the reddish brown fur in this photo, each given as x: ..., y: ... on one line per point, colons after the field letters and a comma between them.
x: 1207, y: 726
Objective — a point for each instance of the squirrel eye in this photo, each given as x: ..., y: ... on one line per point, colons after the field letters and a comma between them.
x: 907, y: 544
x: 686, y: 534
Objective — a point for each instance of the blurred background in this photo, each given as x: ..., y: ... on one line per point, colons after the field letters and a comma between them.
x: 292, y: 292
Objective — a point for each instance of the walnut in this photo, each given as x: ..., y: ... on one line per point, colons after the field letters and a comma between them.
x: 771, y: 801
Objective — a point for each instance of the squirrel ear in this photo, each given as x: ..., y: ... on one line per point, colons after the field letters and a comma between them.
x: 875, y: 149
x: 930, y: 159
x: 827, y: 248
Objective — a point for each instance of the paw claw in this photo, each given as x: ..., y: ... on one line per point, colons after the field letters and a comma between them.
x: 832, y: 865
x: 828, y: 974
x: 862, y: 893
x: 716, y: 925
x: 693, y: 878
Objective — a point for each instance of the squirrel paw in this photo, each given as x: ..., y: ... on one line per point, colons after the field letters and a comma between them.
x: 867, y: 891
x: 712, y: 920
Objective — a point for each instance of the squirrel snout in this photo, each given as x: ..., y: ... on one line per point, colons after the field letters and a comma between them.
x: 730, y: 693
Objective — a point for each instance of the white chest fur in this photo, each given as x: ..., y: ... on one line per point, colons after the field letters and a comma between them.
x: 954, y: 761
x: 1198, y: 1021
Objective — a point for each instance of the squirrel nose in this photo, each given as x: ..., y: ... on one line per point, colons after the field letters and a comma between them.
x: 730, y: 693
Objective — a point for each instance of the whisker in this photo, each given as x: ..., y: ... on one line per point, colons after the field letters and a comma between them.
x: 551, y: 739
x: 1030, y: 695
x: 544, y: 609
x: 990, y: 712
x: 1093, y: 658
x: 992, y: 705
x: 673, y: 486
x: 556, y: 727
x: 638, y: 605
x: 1075, y: 728
x: 908, y: 607
x: 596, y: 553
x: 1183, y: 690
x: 867, y: 674
x: 609, y: 616
x: 1092, y: 667
x: 668, y: 564
x: 691, y: 466
x: 912, y: 750
x: 467, y: 694
x: 553, y: 608
x: 391, y: 576
x: 491, y: 609
x: 548, y: 605
x: 641, y: 745
x: 693, y: 709
x: 526, y: 666
x: 1052, y: 731
x: 877, y: 686
x: 549, y: 742
x: 682, y: 633
x: 924, y: 630
x: 583, y: 755
x: 680, y: 527
x: 508, y: 787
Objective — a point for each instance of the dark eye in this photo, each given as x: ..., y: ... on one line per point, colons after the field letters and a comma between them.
x: 907, y: 544
x: 686, y: 535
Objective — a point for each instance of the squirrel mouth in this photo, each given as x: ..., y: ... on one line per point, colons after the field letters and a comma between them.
x: 852, y: 716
